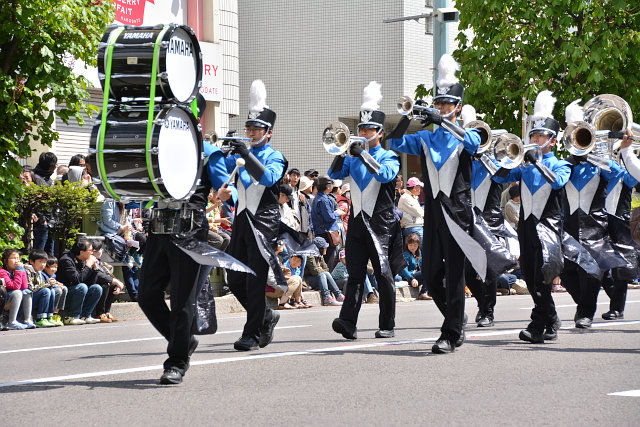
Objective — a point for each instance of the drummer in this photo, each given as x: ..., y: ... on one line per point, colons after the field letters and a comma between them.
x: 166, y: 264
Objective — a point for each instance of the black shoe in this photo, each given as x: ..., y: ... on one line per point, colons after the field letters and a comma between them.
x: 485, y: 321
x: 443, y: 346
x: 346, y: 328
x: 266, y: 333
x: 583, y: 323
x: 171, y: 376
x: 534, y: 337
x: 461, y: 339
x: 479, y: 316
x: 246, y: 344
x: 551, y: 331
x: 384, y: 333
x: 613, y: 315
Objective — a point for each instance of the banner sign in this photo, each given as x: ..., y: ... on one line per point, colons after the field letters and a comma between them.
x: 212, y: 82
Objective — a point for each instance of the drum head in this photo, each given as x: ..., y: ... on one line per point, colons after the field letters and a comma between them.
x: 178, y: 153
x: 182, y: 65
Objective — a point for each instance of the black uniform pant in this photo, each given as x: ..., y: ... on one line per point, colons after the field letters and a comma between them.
x: 617, y: 292
x: 483, y: 292
x: 359, y: 250
x: 164, y: 264
x: 248, y: 289
x: 583, y: 289
x: 443, y: 269
x: 543, y: 313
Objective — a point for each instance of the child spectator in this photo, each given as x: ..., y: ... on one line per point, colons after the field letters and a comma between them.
x: 18, y: 293
x: 341, y: 276
x: 318, y: 276
x: 60, y: 290
x: 411, y: 272
x: 44, y: 296
x: 294, y: 264
x: 110, y: 287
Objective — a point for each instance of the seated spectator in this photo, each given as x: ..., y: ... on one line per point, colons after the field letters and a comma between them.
x: 411, y: 273
x: 294, y: 288
x: 216, y: 236
x: 18, y: 292
x: 287, y: 214
x: 77, y: 270
x: 318, y: 277
x: 61, y: 171
x: 344, y: 204
x: 294, y: 265
x: 60, y: 290
x: 44, y: 295
x: 412, y: 213
x: 110, y: 288
x: 341, y: 276
x: 3, y: 302
x: 512, y: 207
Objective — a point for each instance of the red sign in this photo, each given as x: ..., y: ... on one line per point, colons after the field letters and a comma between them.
x: 130, y: 12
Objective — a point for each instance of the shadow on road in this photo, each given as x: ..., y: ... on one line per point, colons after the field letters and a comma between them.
x: 138, y: 384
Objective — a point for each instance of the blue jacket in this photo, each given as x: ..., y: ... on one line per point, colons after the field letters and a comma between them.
x: 412, y: 265
x: 323, y: 216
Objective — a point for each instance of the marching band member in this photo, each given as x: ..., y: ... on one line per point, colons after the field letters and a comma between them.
x: 618, y: 207
x: 585, y: 219
x: 255, y: 229
x: 165, y: 263
x: 374, y: 232
x: 540, y: 226
x: 451, y: 230
x: 486, y: 195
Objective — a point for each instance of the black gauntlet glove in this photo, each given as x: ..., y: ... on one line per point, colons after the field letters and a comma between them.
x: 431, y: 117
x: 240, y: 148
x: 530, y: 157
x: 400, y: 129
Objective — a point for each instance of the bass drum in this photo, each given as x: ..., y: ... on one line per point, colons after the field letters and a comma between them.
x: 167, y: 166
x: 179, y: 68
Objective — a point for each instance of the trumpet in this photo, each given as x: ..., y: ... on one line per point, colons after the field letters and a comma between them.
x: 337, y: 140
x: 222, y: 142
x: 487, y: 135
x: 407, y: 107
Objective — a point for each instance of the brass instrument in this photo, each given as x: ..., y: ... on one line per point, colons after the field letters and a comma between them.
x: 337, y: 140
x: 406, y: 106
x: 611, y: 113
x: 487, y: 135
x: 509, y: 151
x: 222, y: 142
x: 582, y: 139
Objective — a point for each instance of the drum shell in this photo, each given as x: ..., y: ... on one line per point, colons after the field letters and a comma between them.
x: 130, y: 161
x: 134, y: 62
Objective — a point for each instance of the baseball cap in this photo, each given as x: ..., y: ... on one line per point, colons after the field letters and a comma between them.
x: 412, y: 182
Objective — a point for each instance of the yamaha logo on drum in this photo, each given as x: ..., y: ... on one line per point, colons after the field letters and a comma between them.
x: 180, y: 47
x: 177, y: 124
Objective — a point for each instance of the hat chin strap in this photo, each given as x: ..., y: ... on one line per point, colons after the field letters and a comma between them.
x: 367, y: 141
x: 446, y: 116
x: 261, y: 141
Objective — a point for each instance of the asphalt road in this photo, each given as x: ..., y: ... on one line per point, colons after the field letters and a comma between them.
x: 108, y: 374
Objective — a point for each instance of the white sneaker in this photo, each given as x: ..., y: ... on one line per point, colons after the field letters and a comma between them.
x: 90, y: 320
x: 73, y: 321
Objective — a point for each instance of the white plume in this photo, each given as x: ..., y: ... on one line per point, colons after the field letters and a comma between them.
x: 468, y: 114
x: 574, y: 112
x: 257, y: 97
x: 371, y: 97
x: 447, y: 68
x: 543, y: 107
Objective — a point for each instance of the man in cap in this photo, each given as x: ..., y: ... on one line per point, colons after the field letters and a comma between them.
x: 255, y: 229
x: 446, y: 156
x: 304, y: 211
x: 374, y: 233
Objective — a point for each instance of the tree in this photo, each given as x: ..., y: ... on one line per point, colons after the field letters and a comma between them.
x: 39, y: 40
x: 575, y: 48
x: 68, y: 202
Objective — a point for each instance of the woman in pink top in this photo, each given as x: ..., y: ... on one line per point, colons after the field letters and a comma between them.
x: 15, y: 280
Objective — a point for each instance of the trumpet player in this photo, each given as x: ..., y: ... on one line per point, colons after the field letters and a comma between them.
x: 485, y: 195
x: 585, y: 219
x: 255, y: 229
x: 450, y: 232
x: 540, y: 228
x: 374, y: 231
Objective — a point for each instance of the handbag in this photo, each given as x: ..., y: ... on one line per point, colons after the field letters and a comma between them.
x: 334, y: 236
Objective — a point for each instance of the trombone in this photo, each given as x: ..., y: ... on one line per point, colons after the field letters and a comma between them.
x: 337, y: 140
x: 582, y: 139
x: 222, y: 142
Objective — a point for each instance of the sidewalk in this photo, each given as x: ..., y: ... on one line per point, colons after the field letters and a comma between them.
x: 229, y: 304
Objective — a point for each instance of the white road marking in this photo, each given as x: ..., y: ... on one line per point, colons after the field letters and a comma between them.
x: 88, y: 344
x: 575, y: 305
x: 629, y: 393
x: 336, y: 349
